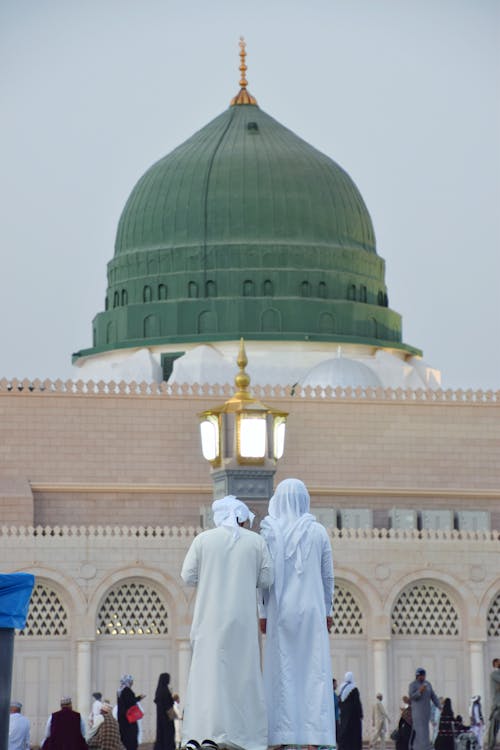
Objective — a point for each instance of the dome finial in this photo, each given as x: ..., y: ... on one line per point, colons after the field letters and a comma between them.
x: 244, y: 96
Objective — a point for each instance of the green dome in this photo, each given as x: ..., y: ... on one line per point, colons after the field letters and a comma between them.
x: 245, y: 230
x: 244, y: 178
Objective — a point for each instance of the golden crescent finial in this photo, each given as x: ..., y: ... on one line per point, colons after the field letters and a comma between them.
x: 244, y: 96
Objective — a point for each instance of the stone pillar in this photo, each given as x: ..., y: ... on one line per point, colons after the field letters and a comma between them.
x: 379, y: 648
x: 476, y: 656
x: 83, y: 677
x: 184, y: 651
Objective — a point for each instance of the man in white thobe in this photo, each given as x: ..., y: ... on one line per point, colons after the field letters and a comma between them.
x: 19, y: 728
x: 296, y: 615
x: 225, y: 697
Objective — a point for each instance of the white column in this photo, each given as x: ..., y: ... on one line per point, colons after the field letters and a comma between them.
x: 476, y: 655
x: 83, y: 677
x: 184, y: 652
x: 380, y: 668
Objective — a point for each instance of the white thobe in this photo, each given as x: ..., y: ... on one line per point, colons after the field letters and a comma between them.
x: 297, y: 666
x: 19, y: 732
x: 225, y: 696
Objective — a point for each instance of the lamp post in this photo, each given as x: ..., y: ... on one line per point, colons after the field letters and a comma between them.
x: 243, y: 440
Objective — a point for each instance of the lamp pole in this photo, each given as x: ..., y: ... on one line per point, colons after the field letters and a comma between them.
x: 243, y: 440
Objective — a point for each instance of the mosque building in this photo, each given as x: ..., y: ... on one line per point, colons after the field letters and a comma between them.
x: 247, y: 231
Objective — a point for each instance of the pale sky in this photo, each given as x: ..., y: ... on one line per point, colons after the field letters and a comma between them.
x: 403, y: 94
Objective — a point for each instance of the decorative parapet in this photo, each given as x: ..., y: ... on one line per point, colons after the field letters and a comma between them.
x: 175, y: 390
x: 182, y: 532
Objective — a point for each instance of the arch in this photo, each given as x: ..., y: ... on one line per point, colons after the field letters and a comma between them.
x: 380, y: 299
x: 111, y: 332
x: 210, y: 289
x: 493, y: 618
x: 47, y: 613
x: 116, y: 299
x: 305, y: 289
x: 207, y: 322
x: 373, y: 332
x: 326, y: 323
x: 348, y: 616
x: 351, y: 292
x: 248, y: 288
x: 425, y: 608
x: 151, y: 327
x: 132, y: 608
x: 322, y: 290
x: 268, y: 288
x: 270, y: 320
x: 162, y: 291
x: 363, y: 293
x: 192, y: 289
x: 147, y: 294
x: 106, y: 303
x: 124, y: 297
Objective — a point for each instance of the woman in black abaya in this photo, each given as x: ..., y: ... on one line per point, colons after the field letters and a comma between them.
x: 351, y: 715
x: 165, y: 730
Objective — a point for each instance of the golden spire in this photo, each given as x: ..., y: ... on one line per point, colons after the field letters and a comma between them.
x: 244, y: 96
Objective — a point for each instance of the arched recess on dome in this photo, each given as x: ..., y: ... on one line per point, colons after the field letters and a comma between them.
x: 134, y: 635
x: 162, y: 292
x: 210, y: 288
x: 147, y: 293
x: 373, y: 328
x: 151, y: 327
x: 270, y: 320
x: 111, y: 332
x: 305, y: 289
x: 192, y: 289
x: 322, y: 290
x: 124, y: 297
x: 268, y: 288
x: 207, y: 322
x: 248, y: 288
x: 326, y: 323
x: 427, y: 629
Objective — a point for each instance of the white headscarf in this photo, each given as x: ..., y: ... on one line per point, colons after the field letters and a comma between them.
x: 285, y: 528
x: 347, y: 686
x: 230, y: 510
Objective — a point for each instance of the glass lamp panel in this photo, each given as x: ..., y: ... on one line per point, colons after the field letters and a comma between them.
x: 252, y: 437
x: 279, y: 438
x: 209, y: 430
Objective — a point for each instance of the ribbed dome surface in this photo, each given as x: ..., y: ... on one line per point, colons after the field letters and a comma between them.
x: 244, y: 177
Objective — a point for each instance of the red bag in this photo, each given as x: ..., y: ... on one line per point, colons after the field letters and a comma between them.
x: 133, y: 714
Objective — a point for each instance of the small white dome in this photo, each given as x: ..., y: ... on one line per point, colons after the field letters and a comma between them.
x: 203, y: 365
x: 343, y: 372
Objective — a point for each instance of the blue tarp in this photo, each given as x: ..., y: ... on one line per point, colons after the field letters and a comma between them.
x: 15, y: 593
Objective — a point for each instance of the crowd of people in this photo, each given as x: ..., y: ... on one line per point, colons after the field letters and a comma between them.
x: 288, y: 567
x: 107, y: 727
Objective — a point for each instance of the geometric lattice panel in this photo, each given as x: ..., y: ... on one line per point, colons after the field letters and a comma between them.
x: 46, y: 615
x: 133, y: 608
x: 347, y: 614
x: 424, y: 609
x: 493, y: 618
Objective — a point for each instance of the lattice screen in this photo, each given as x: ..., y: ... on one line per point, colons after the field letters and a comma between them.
x: 424, y: 609
x: 347, y: 615
x: 494, y: 618
x: 47, y: 615
x: 133, y: 608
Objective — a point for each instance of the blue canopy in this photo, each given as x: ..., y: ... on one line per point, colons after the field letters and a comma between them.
x: 15, y: 593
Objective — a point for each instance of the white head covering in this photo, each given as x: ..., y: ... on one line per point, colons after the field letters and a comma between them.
x: 230, y: 510
x: 347, y: 686
x: 285, y: 528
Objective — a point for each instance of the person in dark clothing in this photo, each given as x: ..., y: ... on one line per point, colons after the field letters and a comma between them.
x: 127, y: 699
x: 445, y: 739
x: 65, y: 729
x: 351, y: 715
x: 165, y: 728
x: 404, y: 726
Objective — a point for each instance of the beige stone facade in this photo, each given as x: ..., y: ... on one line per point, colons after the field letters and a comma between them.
x: 101, y: 488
